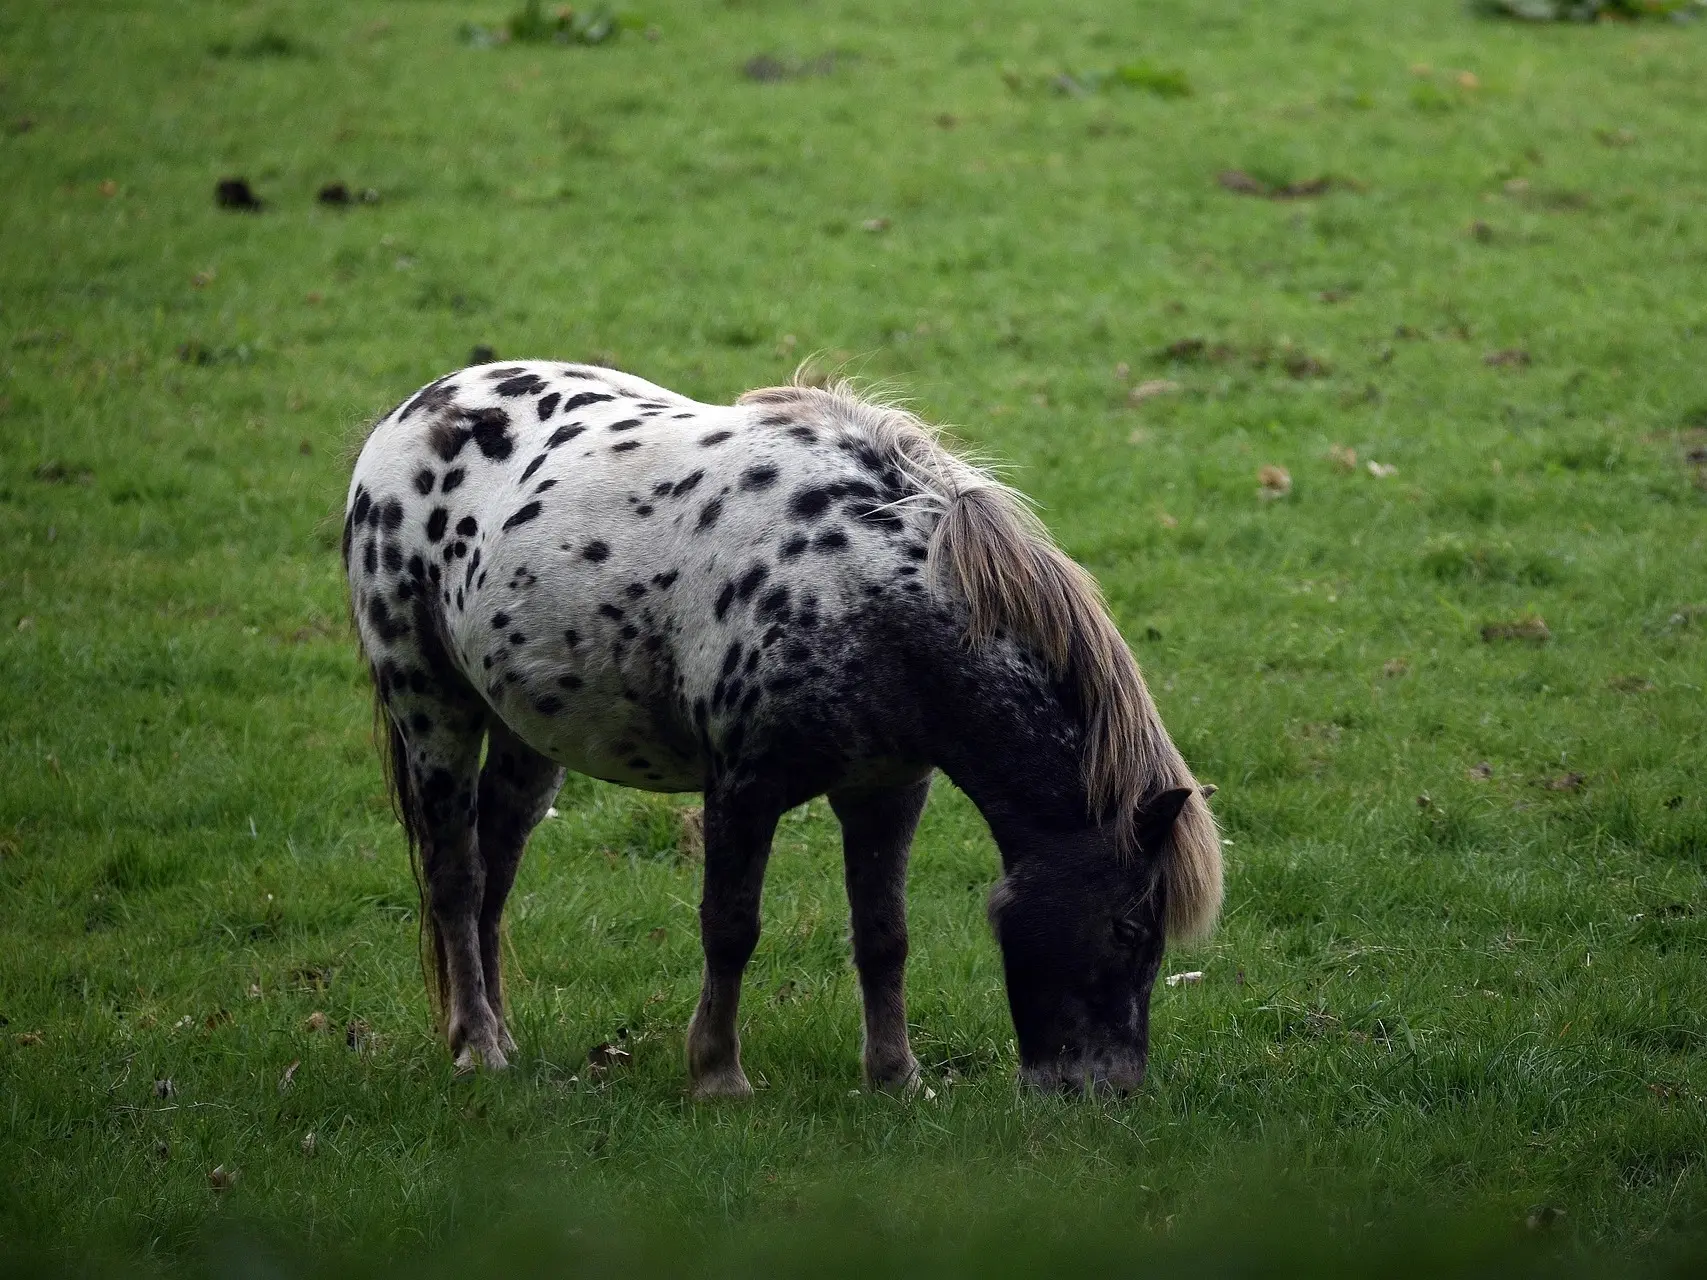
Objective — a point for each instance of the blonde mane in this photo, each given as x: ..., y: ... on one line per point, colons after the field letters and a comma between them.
x: 990, y: 550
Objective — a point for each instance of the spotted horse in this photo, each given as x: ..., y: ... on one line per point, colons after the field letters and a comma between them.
x: 805, y: 593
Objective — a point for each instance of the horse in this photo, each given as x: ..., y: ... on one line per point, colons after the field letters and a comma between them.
x: 807, y: 592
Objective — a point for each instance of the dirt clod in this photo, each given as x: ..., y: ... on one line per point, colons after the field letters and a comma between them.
x: 237, y: 195
x: 1241, y: 183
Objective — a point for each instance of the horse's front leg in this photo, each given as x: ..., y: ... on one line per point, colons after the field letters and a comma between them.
x: 877, y: 833
x: 738, y: 831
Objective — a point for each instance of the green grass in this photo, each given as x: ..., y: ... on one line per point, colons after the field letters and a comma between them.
x: 1435, y: 991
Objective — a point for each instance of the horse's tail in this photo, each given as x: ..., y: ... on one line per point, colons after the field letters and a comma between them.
x: 406, y: 804
x: 991, y: 550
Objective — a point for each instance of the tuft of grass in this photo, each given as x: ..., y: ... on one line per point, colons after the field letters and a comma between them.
x: 1163, y: 82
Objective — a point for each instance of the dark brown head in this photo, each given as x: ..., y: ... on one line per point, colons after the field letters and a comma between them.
x: 1081, y: 923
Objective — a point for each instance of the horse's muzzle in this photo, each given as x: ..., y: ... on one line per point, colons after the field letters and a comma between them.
x: 1100, y: 1075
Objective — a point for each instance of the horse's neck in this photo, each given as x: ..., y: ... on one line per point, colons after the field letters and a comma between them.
x: 1022, y: 768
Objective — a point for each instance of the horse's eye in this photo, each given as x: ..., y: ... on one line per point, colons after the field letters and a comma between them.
x: 1128, y: 932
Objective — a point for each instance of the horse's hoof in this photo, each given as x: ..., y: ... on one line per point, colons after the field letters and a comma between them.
x: 903, y: 1081
x: 472, y: 1058
x: 720, y: 1085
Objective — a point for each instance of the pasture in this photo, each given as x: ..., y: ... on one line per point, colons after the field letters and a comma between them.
x: 1359, y: 350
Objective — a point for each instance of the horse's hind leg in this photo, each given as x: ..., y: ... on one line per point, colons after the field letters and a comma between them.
x: 517, y: 785
x: 738, y: 831
x: 877, y: 833
x: 436, y: 769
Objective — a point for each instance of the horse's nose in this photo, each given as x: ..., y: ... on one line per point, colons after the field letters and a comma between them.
x: 1118, y: 1073
x: 1121, y: 1078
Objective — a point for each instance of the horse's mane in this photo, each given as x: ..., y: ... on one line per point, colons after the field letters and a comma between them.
x: 992, y: 551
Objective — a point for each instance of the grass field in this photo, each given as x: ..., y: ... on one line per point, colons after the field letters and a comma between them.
x: 1451, y: 688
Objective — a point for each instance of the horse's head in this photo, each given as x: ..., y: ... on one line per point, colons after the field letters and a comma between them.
x: 1081, y: 925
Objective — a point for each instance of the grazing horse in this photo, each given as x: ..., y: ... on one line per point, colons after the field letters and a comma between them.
x: 804, y: 593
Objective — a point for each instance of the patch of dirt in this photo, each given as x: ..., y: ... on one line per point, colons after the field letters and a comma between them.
x: 1241, y: 183
x: 1533, y: 629
x: 1510, y: 358
x: 767, y: 68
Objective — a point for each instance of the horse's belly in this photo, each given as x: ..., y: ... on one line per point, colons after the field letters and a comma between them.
x: 601, y: 727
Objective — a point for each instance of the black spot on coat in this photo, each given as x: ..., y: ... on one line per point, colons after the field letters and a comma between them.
x: 809, y: 504
x: 583, y: 399
x: 491, y: 428
x: 755, y: 479
x: 437, y: 395
x: 523, y: 385
x: 522, y: 516
x: 751, y: 581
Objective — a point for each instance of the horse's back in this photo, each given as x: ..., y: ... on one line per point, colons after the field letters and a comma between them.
x: 640, y: 585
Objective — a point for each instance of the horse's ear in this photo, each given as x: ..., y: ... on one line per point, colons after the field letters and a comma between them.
x: 1157, y: 817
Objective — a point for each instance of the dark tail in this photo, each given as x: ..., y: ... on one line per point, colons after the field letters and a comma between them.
x: 406, y: 804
